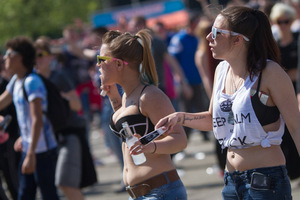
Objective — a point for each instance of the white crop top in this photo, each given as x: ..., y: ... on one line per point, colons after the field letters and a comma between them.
x: 235, y: 124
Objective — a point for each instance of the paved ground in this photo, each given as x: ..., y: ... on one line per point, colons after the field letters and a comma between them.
x: 199, y: 175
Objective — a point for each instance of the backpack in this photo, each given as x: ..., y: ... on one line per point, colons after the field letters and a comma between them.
x: 58, y: 109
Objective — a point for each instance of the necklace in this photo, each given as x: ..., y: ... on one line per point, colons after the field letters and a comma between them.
x: 133, y: 90
x: 240, y: 82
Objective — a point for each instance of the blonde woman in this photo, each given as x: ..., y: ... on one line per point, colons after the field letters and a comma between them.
x: 126, y: 60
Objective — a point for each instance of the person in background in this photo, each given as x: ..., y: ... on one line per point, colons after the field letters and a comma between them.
x: 170, y: 80
x: 207, y: 66
x: 75, y: 163
x: 9, y: 158
x: 37, y: 141
x: 160, y: 54
x: 183, y: 47
x: 295, y: 27
x: 283, y: 15
x: 126, y: 60
x: 77, y: 66
x: 112, y: 143
x: 204, y: 61
x: 247, y: 111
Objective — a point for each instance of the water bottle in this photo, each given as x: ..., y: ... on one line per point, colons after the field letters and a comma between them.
x: 130, y: 140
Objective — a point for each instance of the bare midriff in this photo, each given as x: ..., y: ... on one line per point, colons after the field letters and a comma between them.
x: 254, y: 157
x: 154, y: 165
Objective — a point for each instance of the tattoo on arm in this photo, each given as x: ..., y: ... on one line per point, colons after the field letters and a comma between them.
x: 115, y: 104
x: 192, y: 118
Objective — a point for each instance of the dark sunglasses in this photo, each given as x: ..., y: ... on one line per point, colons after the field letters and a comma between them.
x: 42, y: 54
x: 287, y: 21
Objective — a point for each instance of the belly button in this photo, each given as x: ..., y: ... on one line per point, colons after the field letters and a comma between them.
x: 233, y: 155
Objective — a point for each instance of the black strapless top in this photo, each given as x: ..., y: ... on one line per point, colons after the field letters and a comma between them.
x: 138, y: 123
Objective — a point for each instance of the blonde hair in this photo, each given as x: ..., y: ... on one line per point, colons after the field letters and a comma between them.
x: 282, y: 10
x: 202, y: 29
x: 137, y: 53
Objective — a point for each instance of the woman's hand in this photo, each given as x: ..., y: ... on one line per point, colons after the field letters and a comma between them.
x: 114, y: 96
x: 29, y: 164
x: 109, y: 90
x: 169, y: 122
x: 18, y: 145
x: 138, y: 147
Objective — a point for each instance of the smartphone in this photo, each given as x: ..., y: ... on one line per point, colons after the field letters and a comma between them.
x: 146, y: 139
x: 260, y: 181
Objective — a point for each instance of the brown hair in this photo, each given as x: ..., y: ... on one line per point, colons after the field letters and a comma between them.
x: 43, y: 43
x: 24, y: 46
x: 255, y: 25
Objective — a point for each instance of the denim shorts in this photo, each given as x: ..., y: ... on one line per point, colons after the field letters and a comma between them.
x: 174, y: 191
x: 257, y: 184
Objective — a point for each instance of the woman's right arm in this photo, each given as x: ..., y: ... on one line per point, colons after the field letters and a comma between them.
x: 114, y: 96
x: 5, y: 99
x: 201, y: 121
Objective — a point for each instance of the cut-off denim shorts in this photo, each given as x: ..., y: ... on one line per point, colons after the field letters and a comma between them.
x: 174, y: 191
x: 269, y: 183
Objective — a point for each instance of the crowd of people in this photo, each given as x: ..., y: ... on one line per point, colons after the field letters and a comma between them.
x: 224, y: 74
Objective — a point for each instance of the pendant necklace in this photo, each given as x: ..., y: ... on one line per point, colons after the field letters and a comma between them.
x: 133, y: 90
x: 235, y: 87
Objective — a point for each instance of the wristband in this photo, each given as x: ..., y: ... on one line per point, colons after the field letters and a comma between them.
x: 155, y: 147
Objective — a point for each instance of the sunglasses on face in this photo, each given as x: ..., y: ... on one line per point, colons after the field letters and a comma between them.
x: 104, y: 58
x: 280, y: 22
x: 216, y: 31
x: 42, y: 54
x: 8, y: 54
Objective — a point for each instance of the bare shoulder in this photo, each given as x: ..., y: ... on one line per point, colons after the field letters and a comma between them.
x: 275, y: 79
x: 274, y: 73
x: 154, y: 100
x: 273, y: 67
x: 152, y: 95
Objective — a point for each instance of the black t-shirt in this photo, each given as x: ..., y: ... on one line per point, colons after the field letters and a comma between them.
x: 64, y: 84
x: 289, y: 53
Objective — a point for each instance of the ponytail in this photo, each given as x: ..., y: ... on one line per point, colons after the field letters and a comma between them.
x: 134, y: 49
x: 147, y: 67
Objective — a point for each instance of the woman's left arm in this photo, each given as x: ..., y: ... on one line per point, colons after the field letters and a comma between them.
x: 156, y: 105
x: 283, y: 95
